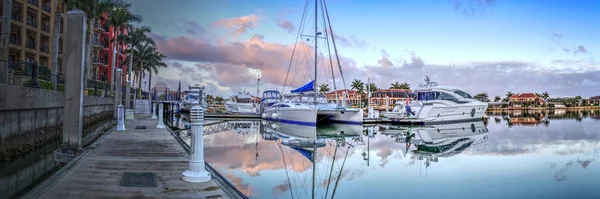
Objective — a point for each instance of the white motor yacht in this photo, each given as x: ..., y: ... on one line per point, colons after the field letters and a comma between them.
x: 241, y: 103
x: 195, y: 95
x: 439, y: 104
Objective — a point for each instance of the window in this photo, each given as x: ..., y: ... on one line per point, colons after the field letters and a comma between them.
x: 463, y: 94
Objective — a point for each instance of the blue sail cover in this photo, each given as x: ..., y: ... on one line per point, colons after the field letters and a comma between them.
x: 305, y: 88
x: 304, y: 152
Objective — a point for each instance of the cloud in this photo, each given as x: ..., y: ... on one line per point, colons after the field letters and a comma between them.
x: 237, y: 63
x: 347, y: 41
x: 385, y: 61
x: 190, y: 27
x: 557, y: 39
x: 286, y: 25
x: 572, y: 77
x: 234, y: 66
x: 471, y: 8
x: 240, y: 25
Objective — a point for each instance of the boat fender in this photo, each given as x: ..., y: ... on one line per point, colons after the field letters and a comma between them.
x: 264, y: 115
x: 274, y: 116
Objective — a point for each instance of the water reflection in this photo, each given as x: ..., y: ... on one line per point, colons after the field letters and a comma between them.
x: 275, y: 160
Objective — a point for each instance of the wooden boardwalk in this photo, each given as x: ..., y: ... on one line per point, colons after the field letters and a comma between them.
x: 151, y: 150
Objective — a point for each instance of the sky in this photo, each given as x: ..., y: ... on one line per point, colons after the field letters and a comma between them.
x: 492, y: 46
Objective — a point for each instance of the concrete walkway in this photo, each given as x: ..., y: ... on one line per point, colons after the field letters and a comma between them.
x: 153, y: 150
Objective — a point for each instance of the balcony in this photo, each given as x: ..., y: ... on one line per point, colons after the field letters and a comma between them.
x: 44, y: 48
x: 30, y: 44
x: 31, y: 22
x: 46, y: 27
x: 96, y: 43
x: 46, y: 7
x: 96, y: 60
x: 15, y: 40
x: 98, y: 26
x: 33, y: 2
x: 16, y: 16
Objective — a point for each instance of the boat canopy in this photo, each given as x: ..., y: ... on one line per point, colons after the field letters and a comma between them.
x: 270, y: 94
x: 305, y: 88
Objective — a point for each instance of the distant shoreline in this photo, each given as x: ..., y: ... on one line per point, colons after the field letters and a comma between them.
x: 546, y: 108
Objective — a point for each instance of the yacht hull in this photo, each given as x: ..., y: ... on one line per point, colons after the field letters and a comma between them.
x: 243, y: 108
x: 299, y: 116
x: 437, y: 112
x: 347, y: 116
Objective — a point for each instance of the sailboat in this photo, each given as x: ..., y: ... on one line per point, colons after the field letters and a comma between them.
x: 306, y: 105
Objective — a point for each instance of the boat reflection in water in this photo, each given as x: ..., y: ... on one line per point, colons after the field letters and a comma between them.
x: 324, y: 175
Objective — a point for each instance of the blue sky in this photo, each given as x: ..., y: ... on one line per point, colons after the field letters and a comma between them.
x: 548, y: 45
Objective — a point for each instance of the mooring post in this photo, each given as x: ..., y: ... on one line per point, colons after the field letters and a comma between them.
x: 121, y: 118
x: 161, y: 124
x: 196, y: 171
x: 154, y: 110
x: 73, y: 110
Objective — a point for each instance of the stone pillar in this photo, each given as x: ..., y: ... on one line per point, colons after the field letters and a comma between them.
x: 196, y: 171
x: 161, y: 124
x: 154, y: 110
x: 128, y: 94
x: 118, y: 89
x: 74, y: 56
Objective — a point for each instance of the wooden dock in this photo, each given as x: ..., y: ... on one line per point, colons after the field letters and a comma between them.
x: 111, y: 170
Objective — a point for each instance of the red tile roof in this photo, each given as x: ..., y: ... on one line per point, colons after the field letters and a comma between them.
x: 339, y: 92
x: 524, y: 95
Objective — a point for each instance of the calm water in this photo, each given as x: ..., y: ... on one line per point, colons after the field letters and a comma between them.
x: 515, y: 155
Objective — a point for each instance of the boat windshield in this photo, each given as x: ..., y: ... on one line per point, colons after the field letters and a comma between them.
x: 463, y: 94
x: 309, y: 98
x: 435, y: 95
x: 271, y: 95
x: 243, y: 100
x: 191, y: 97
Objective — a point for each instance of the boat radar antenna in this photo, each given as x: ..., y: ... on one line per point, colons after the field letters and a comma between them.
x: 428, y: 83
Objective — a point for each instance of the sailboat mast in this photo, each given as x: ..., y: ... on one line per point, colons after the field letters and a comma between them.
x: 316, y: 53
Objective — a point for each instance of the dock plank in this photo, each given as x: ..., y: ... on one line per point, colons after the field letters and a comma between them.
x: 150, y: 150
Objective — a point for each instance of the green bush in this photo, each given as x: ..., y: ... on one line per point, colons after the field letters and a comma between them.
x: 47, y: 85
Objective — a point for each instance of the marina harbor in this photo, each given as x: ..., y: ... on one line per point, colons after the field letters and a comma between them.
x: 313, y: 99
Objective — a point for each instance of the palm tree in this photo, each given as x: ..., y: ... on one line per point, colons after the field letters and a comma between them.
x: 119, y: 19
x: 358, y: 85
x: 4, y: 40
x: 497, y: 98
x: 135, y: 37
x: 395, y: 85
x: 482, y: 97
x: 141, y: 55
x: 545, y: 95
x: 324, y: 88
x: 154, y: 63
x: 405, y: 86
x: 372, y: 87
x: 92, y: 9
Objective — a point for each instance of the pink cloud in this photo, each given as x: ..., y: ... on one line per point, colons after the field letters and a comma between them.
x: 240, y: 25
